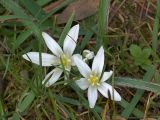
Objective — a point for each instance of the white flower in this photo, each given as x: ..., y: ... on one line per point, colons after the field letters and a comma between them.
x: 94, y: 79
x: 88, y: 55
x: 60, y: 58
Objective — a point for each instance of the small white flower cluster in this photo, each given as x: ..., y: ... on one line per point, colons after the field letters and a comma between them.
x: 93, y: 78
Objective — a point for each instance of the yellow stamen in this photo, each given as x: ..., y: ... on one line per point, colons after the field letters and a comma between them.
x: 93, y: 80
x: 65, y: 61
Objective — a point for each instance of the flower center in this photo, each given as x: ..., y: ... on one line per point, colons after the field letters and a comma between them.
x: 65, y: 61
x: 93, y: 80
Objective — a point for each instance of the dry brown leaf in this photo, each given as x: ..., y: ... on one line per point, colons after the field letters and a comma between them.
x: 82, y: 9
x: 49, y: 7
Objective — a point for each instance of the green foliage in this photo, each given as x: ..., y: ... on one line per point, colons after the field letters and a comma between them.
x: 137, y: 83
x: 66, y: 29
x: 20, y: 31
x: 15, y: 117
x: 156, y: 28
x: 102, y: 20
x: 139, y: 93
x: 2, y: 113
x: 25, y: 101
x: 141, y: 56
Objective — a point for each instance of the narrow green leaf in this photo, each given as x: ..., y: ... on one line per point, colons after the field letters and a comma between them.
x: 6, y: 66
x: 67, y: 100
x: 66, y: 29
x: 21, y: 38
x: 130, y: 107
x: 2, y: 112
x: 43, y: 2
x: 72, y: 101
x: 102, y: 20
x: 15, y: 117
x: 54, y: 105
x: 86, y: 39
x: 137, y: 83
x: 8, y: 17
x: 25, y: 101
x: 17, y: 10
x: 14, y: 7
x: 34, y: 9
x: 156, y: 28
x: 136, y: 112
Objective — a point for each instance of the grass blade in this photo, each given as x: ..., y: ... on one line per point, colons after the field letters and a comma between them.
x: 136, y: 112
x: 34, y: 9
x: 2, y: 113
x: 102, y: 21
x: 156, y: 28
x: 130, y: 107
x: 54, y: 105
x: 86, y: 39
x: 26, y: 101
x: 15, y: 117
x: 137, y: 83
x: 8, y: 17
x: 21, y: 38
x: 14, y: 7
x: 43, y: 2
x: 66, y: 29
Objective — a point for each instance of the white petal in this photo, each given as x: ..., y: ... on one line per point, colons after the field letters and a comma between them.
x: 71, y: 40
x: 98, y: 62
x: 47, y: 59
x: 92, y: 96
x: 72, y: 58
x: 56, y: 73
x: 104, y: 88
x: 82, y: 83
x: 88, y: 54
x: 52, y: 44
x: 48, y: 76
x: 82, y: 67
x: 106, y: 76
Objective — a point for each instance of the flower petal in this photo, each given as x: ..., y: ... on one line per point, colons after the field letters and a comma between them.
x: 98, y: 62
x: 47, y: 59
x: 88, y: 54
x: 82, y: 67
x: 52, y: 44
x: 106, y: 76
x: 72, y: 58
x: 92, y: 96
x: 82, y: 83
x: 55, y: 74
x: 48, y: 76
x: 71, y: 40
x: 104, y: 88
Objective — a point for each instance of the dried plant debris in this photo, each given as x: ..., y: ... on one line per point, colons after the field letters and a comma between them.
x: 82, y: 9
x: 49, y: 7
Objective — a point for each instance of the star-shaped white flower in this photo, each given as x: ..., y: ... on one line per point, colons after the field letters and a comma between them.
x: 94, y: 79
x: 88, y: 55
x: 60, y: 58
